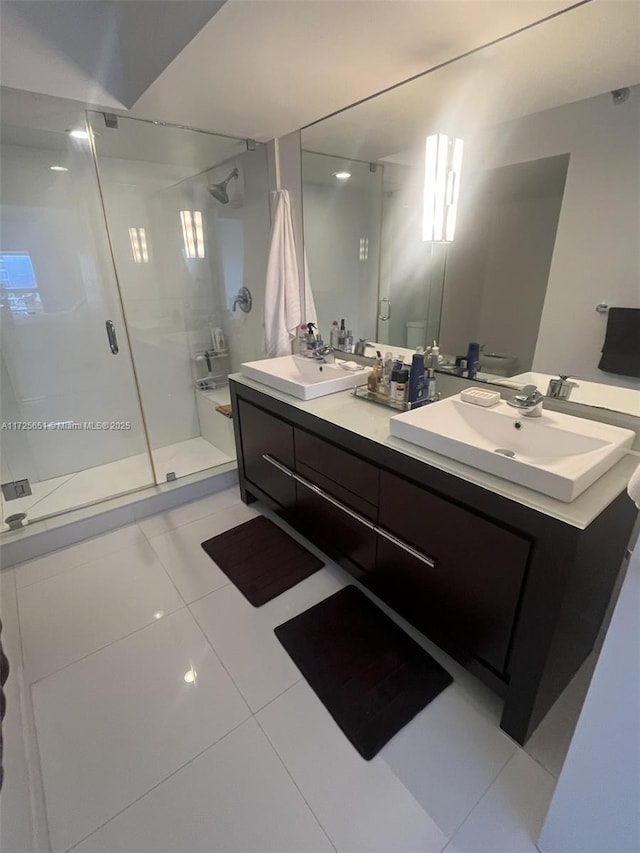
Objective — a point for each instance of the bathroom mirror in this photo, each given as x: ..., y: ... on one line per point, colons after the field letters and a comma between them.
x: 548, y: 211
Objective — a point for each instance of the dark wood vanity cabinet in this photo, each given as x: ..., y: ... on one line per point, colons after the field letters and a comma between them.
x: 461, y: 576
x: 267, y: 438
x: 514, y: 595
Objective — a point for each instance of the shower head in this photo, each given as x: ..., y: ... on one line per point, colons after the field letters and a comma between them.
x: 219, y: 191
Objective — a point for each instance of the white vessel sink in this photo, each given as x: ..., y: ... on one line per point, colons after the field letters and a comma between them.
x: 558, y: 455
x: 304, y: 378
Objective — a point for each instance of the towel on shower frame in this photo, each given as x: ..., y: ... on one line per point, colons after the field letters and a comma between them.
x: 282, y: 309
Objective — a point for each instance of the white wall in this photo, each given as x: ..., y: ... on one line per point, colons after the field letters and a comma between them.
x: 597, y: 253
x: 596, y: 804
x: 497, y: 271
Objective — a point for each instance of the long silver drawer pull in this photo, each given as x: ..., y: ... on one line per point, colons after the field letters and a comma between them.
x: 277, y: 465
x: 333, y: 501
x: 318, y: 491
x: 111, y: 336
x: 407, y: 548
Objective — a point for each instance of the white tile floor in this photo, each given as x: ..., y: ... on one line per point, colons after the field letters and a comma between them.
x: 60, y: 494
x: 240, y: 755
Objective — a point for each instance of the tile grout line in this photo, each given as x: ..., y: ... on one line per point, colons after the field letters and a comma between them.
x: 134, y: 522
x: 480, y: 798
x: 282, y: 692
x: 157, y: 784
x: 219, y: 659
x: 254, y: 716
x: 38, y: 770
x: 551, y: 773
x: 107, y: 645
x: 18, y: 566
x: 184, y: 523
x: 290, y: 775
x: 52, y: 492
x: 28, y: 726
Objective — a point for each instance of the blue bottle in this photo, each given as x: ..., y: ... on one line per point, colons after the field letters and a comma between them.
x: 415, y: 396
x: 473, y: 359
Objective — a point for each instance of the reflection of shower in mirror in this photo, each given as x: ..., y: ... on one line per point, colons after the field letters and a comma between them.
x: 219, y: 191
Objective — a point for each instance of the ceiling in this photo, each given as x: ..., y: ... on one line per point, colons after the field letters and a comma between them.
x: 247, y: 68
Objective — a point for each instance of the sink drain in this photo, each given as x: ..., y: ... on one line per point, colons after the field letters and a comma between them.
x: 505, y: 452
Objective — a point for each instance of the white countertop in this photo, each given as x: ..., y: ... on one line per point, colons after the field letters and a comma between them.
x: 371, y: 421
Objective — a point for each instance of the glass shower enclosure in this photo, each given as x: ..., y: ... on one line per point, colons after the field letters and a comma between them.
x: 124, y: 245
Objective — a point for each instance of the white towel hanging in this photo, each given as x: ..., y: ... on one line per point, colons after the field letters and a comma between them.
x: 282, y: 310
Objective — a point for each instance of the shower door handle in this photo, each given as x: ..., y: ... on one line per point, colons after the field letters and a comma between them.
x: 383, y: 314
x: 112, y: 337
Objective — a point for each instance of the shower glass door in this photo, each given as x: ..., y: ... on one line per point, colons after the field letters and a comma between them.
x: 72, y: 426
x: 188, y: 220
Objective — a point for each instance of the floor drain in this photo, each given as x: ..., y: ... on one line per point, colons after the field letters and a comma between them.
x: 505, y: 452
x: 16, y: 521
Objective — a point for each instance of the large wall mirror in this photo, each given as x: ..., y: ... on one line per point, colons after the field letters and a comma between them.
x: 547, y: 231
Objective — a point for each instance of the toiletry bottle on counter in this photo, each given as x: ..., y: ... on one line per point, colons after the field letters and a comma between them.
x: 430, y: 394
x: 348, y: 341
x: 342, y: 335
x: 375, y: 376
x: 473, y: 357
x: 333, y: 338
x: 388, y: 367
x: 399, y: 379
x: 415, y: 394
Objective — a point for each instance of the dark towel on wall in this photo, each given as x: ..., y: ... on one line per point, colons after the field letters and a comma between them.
x: 621, y: 350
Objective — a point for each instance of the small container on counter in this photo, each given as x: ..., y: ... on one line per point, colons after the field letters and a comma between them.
x: 399, y: 380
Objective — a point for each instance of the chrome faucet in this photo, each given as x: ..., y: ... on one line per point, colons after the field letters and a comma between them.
x: 529, y: 400
x: 323, y: 354
x: 560, y: 388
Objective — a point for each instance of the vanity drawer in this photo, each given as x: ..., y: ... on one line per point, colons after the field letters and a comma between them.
x: 334, y: 528
x: 267, y: 440
x: 469, y: 585
x: 350, y: 479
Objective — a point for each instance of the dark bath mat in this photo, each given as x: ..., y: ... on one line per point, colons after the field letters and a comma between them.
x: 371, y: 677
x: 261, y: 559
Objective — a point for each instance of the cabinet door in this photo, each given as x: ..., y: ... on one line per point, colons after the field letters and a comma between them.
x: 264, y: 435
x: 468, y: 587
x: 334, y: 527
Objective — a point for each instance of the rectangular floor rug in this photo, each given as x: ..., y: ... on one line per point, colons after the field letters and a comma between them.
x: 261, y: 559
x: 371, y: 677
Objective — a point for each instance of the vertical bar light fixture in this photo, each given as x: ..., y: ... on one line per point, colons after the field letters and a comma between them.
x: 192, y: 233
x: 138, y: 238
x: 442, y: 166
